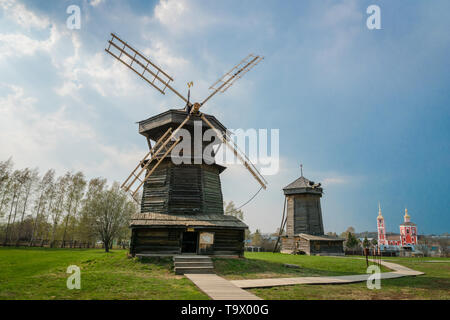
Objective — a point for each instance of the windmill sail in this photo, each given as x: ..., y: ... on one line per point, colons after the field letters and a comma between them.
x: 229, y: 78
x: 142, y: 66
x: 161, y: 81
x: 239, y: 154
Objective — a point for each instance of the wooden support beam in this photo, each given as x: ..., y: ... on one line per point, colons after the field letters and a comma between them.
x: 156, y: 165
x: 142, y: 162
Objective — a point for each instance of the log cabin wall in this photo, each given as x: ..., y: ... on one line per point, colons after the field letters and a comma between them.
x: 227, y: 241
x: 156, y: 240
x: 326, y: 247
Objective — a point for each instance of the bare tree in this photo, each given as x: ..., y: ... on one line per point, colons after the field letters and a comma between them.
x: 31, y: 177
x: 79, y: 190
x: 5, y: 183
x: 77, y: 183
x: 57, y: 209
x: 44, y: 186
x: 230, y: 210
x: 18, y: 179
x: 36, y: 207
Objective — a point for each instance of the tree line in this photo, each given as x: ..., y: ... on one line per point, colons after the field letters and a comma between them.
x: 61, y: 211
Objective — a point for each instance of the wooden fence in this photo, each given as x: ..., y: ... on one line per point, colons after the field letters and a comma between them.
x: 71, y: 244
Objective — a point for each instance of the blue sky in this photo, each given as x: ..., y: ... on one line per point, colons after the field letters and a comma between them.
x: 367, y: 112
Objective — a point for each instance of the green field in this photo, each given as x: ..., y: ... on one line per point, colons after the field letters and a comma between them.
x: 37, y: 273
x: 271, y: 265
x: 40, y: 273
x: 434, y: 284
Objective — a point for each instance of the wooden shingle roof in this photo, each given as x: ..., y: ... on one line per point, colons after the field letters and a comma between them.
x: 151, y: 219
x: 302, y: 185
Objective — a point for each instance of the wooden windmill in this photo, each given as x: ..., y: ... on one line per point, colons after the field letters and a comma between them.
x: 173, y: 192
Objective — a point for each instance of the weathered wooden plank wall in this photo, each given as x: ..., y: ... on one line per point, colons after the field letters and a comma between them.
x: 183, y: 189
x: 157, y: 241
x: 228, y: 242
x: 169, y: 240
x: 307, y: 215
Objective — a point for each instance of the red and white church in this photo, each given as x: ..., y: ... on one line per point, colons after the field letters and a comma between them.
x: 406, y: 240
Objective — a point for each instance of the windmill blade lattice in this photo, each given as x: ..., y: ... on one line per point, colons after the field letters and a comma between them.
x: 142, y: 66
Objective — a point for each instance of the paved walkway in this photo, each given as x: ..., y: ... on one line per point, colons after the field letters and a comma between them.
x: 218, y: 288
x: 399, y: 271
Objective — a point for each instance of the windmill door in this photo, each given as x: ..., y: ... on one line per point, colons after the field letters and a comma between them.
x: 189, y: 242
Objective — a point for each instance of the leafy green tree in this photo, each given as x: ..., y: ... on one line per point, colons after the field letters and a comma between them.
x: 332, y: 234
x: 366, y: 243
x: 247, y: 234
x: 86, y: 231
x: 351, y: 241
x: 346, y: 232
x: 374, y: 242
x: 256, y: 238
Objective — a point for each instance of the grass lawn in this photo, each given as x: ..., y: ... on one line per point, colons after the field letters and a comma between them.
x: 270, y: 265
x: 435, y: 284
x: 40, y: 273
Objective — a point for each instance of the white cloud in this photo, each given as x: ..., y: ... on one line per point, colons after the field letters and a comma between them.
x: 183, y: 15
x: 97, y: 71
x: 69, y: 70
x: 164, y: 57
x: 335, y: 180
x: 28, y: 133
x: 54, y: 140
x: 343, y: 21
x: 95, y: 3
x: 108, y: 77
x: 18, y: 44
x: 18, y: 13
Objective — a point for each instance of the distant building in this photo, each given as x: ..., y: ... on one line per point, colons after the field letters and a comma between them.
x: 406, y: 240
x: 304, y: 225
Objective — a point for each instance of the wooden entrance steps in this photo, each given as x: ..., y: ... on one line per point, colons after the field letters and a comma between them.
x: 193, y: 264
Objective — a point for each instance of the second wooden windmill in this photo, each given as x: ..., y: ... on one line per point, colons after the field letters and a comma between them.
x: 182, y: 204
